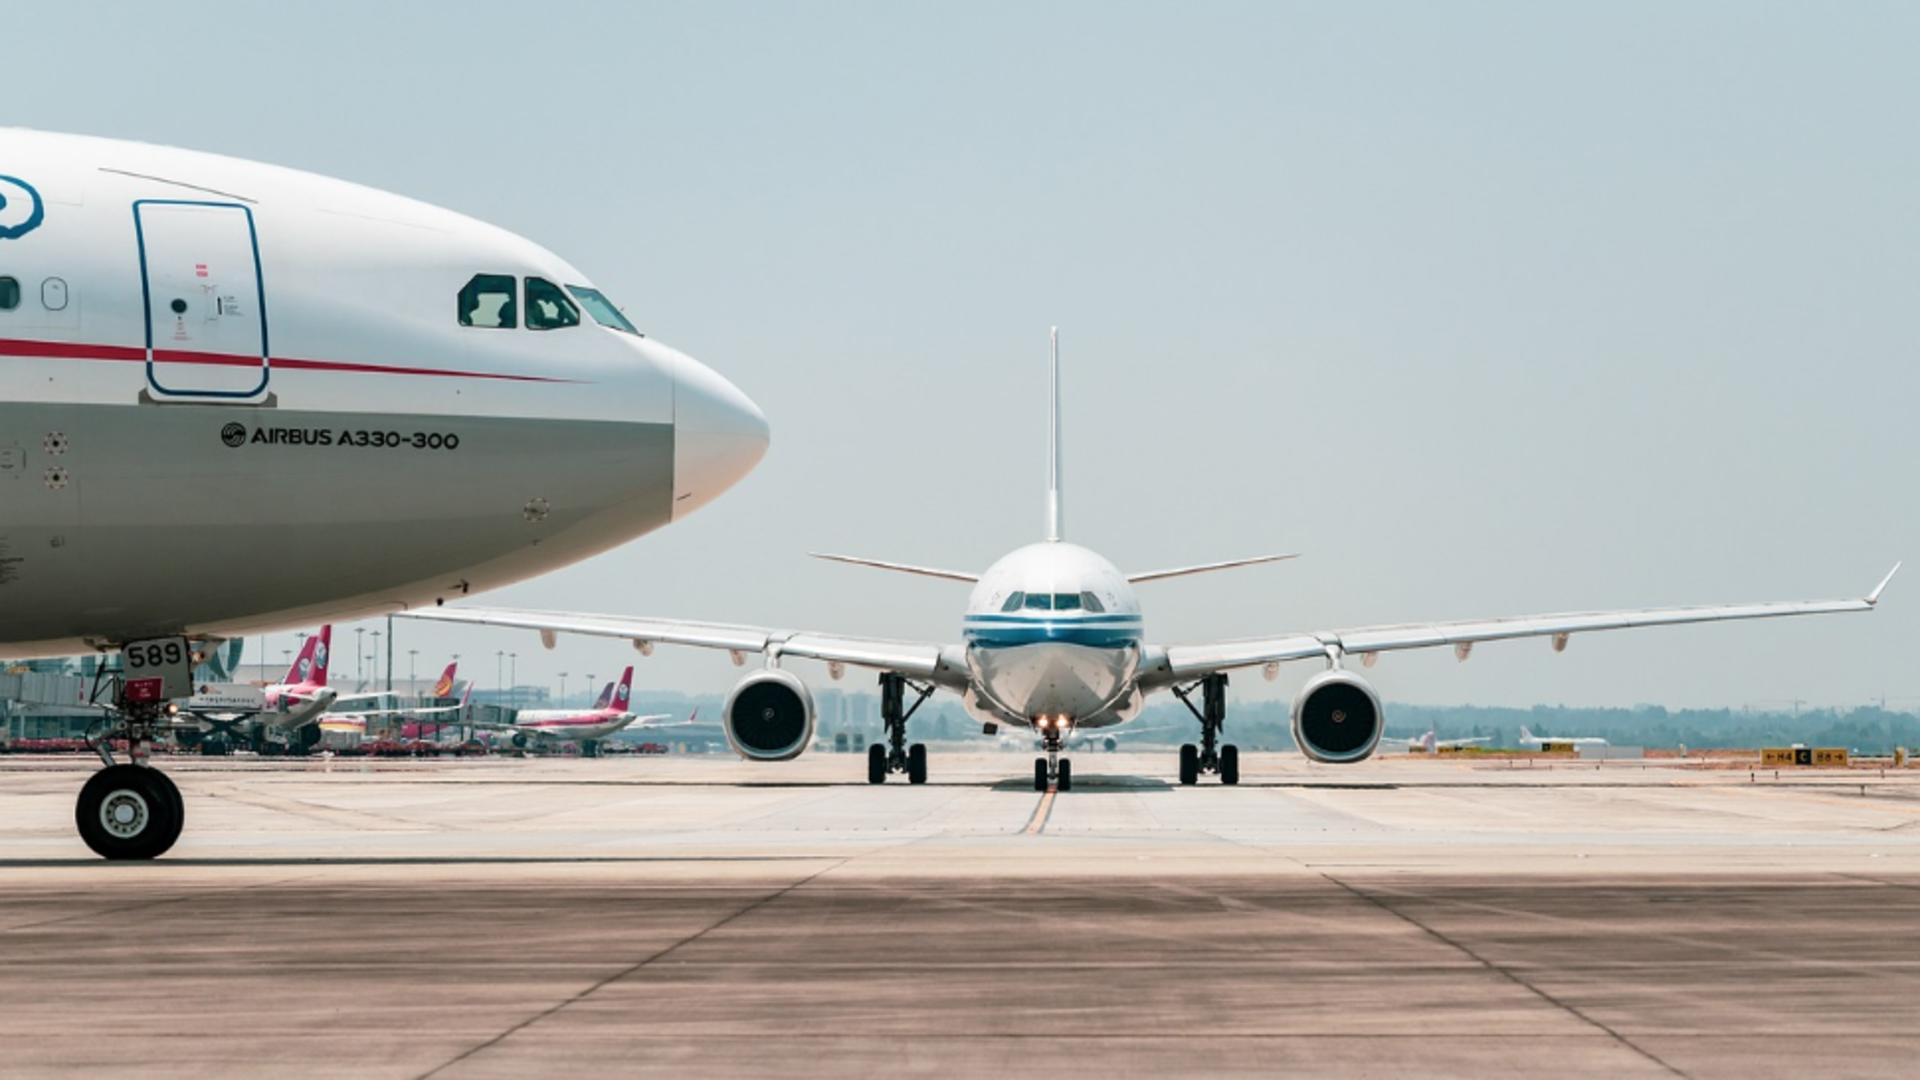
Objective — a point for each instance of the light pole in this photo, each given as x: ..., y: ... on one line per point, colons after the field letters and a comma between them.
x: 499, y: 671
x: 462, y: 714
x: 360, y: 653
x: 563, y: 689
x: 412, y: 681
x: 513, y: 678
x: 375, y: 654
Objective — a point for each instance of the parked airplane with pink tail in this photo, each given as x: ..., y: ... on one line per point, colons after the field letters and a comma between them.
x: 550, y: 728
x: 293, y: 708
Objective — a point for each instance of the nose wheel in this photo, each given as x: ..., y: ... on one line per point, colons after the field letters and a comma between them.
x: 1052, y: 771
x: 129, y: 810
x: 895, y: 755
x: 1211, y: 756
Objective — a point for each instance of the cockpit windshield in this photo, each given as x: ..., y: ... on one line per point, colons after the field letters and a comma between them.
x: 602, y: 309
x: 1066, y: 601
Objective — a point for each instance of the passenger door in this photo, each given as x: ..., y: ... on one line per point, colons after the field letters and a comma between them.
x: 206, y: 309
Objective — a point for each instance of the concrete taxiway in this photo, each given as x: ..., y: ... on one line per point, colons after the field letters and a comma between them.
x: 707, y: 917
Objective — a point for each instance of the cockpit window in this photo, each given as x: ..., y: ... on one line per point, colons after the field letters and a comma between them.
x: 1092, y: 603
x: 488, y: 302
x: 1065, y: 601
x: 1013, y: 602
x: 548, y: 308
x: 602, y: 309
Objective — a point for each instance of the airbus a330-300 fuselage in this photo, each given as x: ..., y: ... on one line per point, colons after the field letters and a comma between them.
x: 235, y: 397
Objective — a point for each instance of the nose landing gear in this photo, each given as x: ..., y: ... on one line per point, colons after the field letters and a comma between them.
x: 1053, y: 770
x: 131, y: 810
x: 895, y: 755
x: 1210, y: 756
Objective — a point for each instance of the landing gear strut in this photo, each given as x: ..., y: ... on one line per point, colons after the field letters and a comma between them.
x: 896, y: 756
x: 1210, y: 756
x: 1053, y: 770
x: 129, y: 810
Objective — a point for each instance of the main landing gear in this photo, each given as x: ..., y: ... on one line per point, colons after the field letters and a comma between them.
x: 895, y: 755
x: 1052, y: 771
x: 130, y: 810
x: 1209, y: 756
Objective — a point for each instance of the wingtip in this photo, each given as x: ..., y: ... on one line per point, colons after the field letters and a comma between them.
x: 1874, y: 596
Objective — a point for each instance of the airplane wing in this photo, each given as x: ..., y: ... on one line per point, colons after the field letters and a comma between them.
x: 361, y: 714
x: 914, y: 658
x: 371, y: 695
x: 1191, y: 661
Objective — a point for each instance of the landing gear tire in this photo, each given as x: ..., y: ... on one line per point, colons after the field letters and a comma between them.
x: 173, y: 794
x: 1229, y: 764
x: 897, y: 756
x: 1039, y: 774
x: 876, y: 764
x: 303, y: 741
x: 1189, y: 764
x: 1065, y: 782
x: 129, y: 812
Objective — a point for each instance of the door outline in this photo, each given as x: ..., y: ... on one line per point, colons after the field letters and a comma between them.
x: 260, y: 293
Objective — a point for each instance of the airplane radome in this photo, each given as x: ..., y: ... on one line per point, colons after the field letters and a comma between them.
x: 236, y: 397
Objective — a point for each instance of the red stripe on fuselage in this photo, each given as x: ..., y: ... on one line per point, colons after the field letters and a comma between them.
x: 63, y: 350
x: 584, y: 721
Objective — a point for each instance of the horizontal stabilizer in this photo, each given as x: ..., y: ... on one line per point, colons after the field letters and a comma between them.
x: 923, y: 571
x: 1180, y: 571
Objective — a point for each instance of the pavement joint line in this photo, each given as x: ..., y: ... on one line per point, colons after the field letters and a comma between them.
x: 660, y: 954
x: 124, y: 908
x: 1786, y: 959
x: 1042, y: 811
x: 326, y: 814
x: 1506, y: 973
x: 1907, y: 885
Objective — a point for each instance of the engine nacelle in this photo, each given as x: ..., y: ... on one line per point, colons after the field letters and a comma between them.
x: 1337, y: 718
x: 769, y: 716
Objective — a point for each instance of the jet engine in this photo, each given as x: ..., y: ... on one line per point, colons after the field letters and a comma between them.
x: 1337, y: 718
x: 769, y: 716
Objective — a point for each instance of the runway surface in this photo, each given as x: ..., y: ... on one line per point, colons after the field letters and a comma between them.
x: 699, y: 916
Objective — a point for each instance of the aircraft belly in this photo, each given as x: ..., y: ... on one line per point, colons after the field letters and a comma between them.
x: 118, y: 522
x: 1053, y: 677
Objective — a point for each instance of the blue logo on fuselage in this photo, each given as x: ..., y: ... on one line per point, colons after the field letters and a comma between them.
x: 21, y: 210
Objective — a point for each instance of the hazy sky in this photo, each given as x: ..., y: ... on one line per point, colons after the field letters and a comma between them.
x: 1483, y: 308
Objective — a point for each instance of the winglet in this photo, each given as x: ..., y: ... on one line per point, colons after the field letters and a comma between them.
x: 1874, y: 596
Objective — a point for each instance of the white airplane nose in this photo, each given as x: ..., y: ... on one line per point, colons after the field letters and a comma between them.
x: 719, y: 435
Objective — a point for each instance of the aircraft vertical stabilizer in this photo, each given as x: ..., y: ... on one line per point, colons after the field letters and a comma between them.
x: 1055, y: 526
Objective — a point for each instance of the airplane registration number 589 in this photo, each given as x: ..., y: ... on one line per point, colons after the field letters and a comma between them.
x: 167, y: 659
